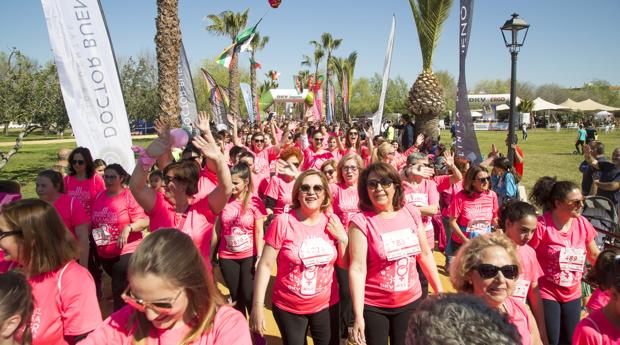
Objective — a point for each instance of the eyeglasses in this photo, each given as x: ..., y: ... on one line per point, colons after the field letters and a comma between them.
x: 4, y: 234
x: 110, y: 177
x: 305, y: 188
x: 353, y: 133
x: 329, y: 172
x: 488, y: 271
x: 484, y: 179
x: 140, y: 305
x: 351, y: 168
x: 575, y: 203
x: 384, y: 182
x: 167, y: 179
x: 259, y: 140
x: 78, y: 162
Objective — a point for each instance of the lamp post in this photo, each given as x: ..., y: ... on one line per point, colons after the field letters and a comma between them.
x: 510, y: 32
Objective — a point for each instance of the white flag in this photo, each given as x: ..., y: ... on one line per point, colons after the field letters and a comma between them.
x: 89, y: 79
x: 378, y: 117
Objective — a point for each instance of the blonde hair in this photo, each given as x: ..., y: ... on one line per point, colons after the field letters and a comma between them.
x: 348, y: 157
x: 327, y: 196
x: 382, y: 151
x: 469, y: 256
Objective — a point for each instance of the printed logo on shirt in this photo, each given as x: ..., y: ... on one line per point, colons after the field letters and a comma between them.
x: 35, y: 322
x: 522, y: 287
x: 417, y: 199
x: 105, y: 235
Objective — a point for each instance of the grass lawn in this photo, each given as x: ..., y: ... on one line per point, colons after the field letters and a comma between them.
x: 546, y: 153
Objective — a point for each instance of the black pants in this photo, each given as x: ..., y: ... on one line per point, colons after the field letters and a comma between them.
x: 293, y: 327
x: 346, y: 305
x: 239, y: 278
x: 577, y: 144
x: 94, y: 266
x: 116, y: 268
x: 382, y: 323
x: 561, y: 320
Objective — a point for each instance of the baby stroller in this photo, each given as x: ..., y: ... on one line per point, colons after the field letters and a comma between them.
x: 602, y: 214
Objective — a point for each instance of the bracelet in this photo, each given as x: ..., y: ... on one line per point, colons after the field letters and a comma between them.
x: 144, y: 159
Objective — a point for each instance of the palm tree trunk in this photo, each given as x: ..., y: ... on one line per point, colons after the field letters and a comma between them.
x: 233, y: 87
x: 253, y: 81
x: 427, y: 124
x: 168, y: 40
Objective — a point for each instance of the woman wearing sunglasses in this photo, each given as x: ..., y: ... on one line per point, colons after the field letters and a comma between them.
x: 563, y: 240
x: 330, y: 169
x: 117, y: 223
x: 473, y: 211
x: 171, y: 300
x: 82, y: 182
x: 66, y: 307
x: 278, y: 195
x: 353, y: 144
x: 387, y: 239
x: 488, y: 266
x: 305, y: 243
x: 315, y: 153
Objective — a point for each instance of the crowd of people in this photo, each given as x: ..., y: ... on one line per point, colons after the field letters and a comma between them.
x: 348, y: 219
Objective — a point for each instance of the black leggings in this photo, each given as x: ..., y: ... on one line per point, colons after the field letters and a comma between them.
x: 423, y: 281
x: 577, y: 144
x: 293, y: 327
x: 561, y: 320
x: 346, y: 306
x: 239, y: 278
x: 116, y: 268
x: 382, y: 323
x: 94, y: 266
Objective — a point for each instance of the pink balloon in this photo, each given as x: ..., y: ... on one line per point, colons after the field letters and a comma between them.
x: 179, y: 137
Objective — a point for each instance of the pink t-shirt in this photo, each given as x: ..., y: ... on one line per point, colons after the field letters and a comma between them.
x: 345, y: 202
x: 65, y: 304
x: 562, y: 257
x: 5, y: 265
x: 207, y: 181
x: 197, y: 222
x: 282, y: 192
x: 263, y: 158
x: 423, y: 194
x: 229, y: 328
x: 599, y: 299
x: 336, y: 154
x: 519, y: 317
x: 474, y: 213
x: 393, y: 247
x: 85, y: 190
x: 314, y: 160
x: 71, y: 211
x: 596, y: 330
x: 530, y: 272
x: 109, y: 216
x: 305, y: 282
x: 237, y: 236
x: 447, y: 191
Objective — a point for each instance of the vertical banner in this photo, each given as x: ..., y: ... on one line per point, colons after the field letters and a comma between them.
x: 378, y: 117
x: 466, y: 142
x: 217, y: 101
x: 318, y: 104
x: 187, y: 97
x: 89, y: 79
x: 345, y: 95
x: 331, y: 103
x: 247, y: 98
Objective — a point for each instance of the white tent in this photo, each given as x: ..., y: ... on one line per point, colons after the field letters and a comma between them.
x: 541, y: 104
x: 603, y: 114
x: 590, y: 105
x: 570, y: 104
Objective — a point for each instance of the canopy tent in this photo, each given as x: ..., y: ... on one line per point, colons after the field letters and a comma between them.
x: 603, y: 114
x: 590, y: 105
x: 539, y: 105
x: 570, y: 104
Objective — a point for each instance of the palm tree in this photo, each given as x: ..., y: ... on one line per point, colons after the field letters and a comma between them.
x: 315, y: 61
x: 345, y: 66
x: 526, y: 106
x: 229, y: 24
x: 168, y: 43
x: 258, y: 43
x: 426, y: 98
x: 328, y: 44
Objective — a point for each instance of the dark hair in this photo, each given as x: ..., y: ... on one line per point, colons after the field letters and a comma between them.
x: 120, y: 171
x: 10, y: 186
x: 547, y: 190
x: 460, y: 319
x: 603, y: 275
x: 156, y: 173
x: 55, y: 177
x: 381, y: 170
x: 16, y: 299
x: 598, y: 148
x: 247, y: 154
x: 188, y: 172
x: 470, y: 176
x: 235, y: 151
x: 88, y: 160
x: 514, y: 211
x: 191, y: 148
x: 505, y: 164
x: 99, y: 163
x: 243, y: 170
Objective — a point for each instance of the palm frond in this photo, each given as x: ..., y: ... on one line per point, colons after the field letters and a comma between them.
x: 429, y: 16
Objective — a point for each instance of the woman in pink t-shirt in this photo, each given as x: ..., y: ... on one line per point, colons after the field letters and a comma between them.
x: 518, y: 220
x: 332, y: 146
x: 387, y: 240
x: 171, y: 300
x: 488, y: 266
x: 82, y: 182
x: 66, y: 307
x: 280, y: 188
x: 305, y: 243
x: 117, y: 222
x: 600, y: 277
x: 50, y: 187
x: 179, y: 209
x: 16, y: 307
x: 238, y: 238
x: 353, y: 144
x: 563, y: 241
x: 329, y: 168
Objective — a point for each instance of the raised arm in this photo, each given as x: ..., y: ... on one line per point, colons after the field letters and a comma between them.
x: 219, y: 196
x: 456, y: 173
x: 235, y: 137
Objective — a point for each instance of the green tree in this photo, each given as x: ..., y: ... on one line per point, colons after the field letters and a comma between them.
x: 449, y: 89
x: 553, y: 93
x: 139, y: 84
x: 229, y: 24
x: 363, y: 100
x: 328, y: 44
x: 222, y: 76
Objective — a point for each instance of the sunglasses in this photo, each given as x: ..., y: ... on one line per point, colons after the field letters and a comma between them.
x: 167, y: 179
x: 318, y: 139
x: 351, y: 168
x: 305, y: 188
x: 4, y: 234
x: 110, y: 177
x: 259, y: 140
x: 352, y: 133
x: 140, y: 305
x: 78, y: 162
x: 575, y: 203
x: 484, y: 180
x: 487, y: 271
x: 384, y: 182
x: 329, y: 172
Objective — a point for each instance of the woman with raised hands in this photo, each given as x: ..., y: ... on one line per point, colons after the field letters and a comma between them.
x: 278, y: 195
x: 180, y: 210
x: 386, y: 240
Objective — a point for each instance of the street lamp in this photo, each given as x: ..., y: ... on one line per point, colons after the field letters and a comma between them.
x: 510, y: 32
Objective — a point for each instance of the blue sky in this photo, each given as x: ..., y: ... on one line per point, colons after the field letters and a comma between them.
x: 570, y: 42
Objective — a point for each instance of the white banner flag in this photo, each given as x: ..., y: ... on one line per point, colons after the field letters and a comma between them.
x: 89, y: 79
x: 378, y: 117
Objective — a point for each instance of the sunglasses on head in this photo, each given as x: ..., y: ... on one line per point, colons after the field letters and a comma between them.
x: 78, y: 162
x: 305, y: 188
x: 488, y: 271
x: 385, y: 183
x: 4, y: 234
x: 140, y: 305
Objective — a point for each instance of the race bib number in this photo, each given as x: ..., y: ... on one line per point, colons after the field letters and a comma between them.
x: 478, y: 227
x: 521, y: 289
x: 102, y: 235
x: 239, y: 241
x: 400, y: 243
x: 568, y: 279
x: 417, y: 199
x: 316, y: 251
x: 572, y: 259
